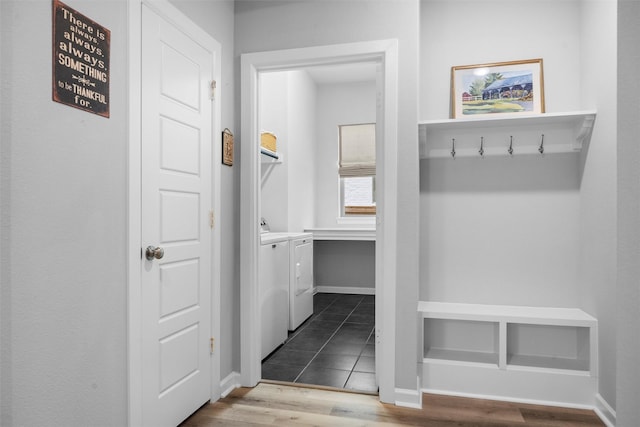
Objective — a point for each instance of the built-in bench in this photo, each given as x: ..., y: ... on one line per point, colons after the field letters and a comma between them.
x: 541, y: 354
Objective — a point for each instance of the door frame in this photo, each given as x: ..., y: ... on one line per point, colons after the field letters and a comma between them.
x: 134, y: 206
x: 385, y: 54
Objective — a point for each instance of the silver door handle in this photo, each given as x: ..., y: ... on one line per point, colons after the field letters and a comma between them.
x: 154, y: 252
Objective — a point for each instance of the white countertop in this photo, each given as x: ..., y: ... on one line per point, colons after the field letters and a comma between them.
x: 351, y: 233
x: 277, y: 236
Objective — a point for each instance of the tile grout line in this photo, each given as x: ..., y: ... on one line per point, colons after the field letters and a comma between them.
x: 360, y: 303
x: 327, y: 341
x: 361, y: 350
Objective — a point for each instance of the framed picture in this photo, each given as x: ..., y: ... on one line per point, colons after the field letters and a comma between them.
x: 227, y: 147
x: 501, y: 88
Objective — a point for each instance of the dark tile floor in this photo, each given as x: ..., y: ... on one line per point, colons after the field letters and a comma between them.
x: 335, y: 347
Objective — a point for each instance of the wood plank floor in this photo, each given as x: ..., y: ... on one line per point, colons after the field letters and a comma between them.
x: 285, y: 405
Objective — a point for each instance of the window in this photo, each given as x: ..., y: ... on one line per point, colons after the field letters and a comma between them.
x: 357, y: 169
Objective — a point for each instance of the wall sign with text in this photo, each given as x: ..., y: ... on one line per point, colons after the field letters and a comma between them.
x: 80, y: 61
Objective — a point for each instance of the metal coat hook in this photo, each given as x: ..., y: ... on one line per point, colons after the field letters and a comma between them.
x: 453, y: 148
x: 510, y: 150
x: 481, y: 151
x: 541, y: 149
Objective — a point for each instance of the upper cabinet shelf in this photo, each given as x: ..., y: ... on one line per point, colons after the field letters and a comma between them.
x: 494, y: 136
x: 269, y: 156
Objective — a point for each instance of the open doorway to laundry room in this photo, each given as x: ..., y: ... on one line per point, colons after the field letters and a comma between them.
x: 317, y: 174
x: 383, y: 54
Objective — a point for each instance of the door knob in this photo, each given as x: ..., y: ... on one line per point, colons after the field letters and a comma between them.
x: 154, y: 252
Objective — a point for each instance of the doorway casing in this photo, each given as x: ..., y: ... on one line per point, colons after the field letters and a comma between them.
x: 385, y: 54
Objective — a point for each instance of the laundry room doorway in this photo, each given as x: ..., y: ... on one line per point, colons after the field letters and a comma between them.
x: 317, y: 172
x: 383, y: 56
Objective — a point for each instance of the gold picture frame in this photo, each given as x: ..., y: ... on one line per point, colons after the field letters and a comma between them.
x: 497, y: 89
x: 227, y: 147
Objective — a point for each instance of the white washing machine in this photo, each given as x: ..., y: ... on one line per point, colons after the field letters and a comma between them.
x: 301, y: 279
x: 285, y: 285
x: 273, y: 285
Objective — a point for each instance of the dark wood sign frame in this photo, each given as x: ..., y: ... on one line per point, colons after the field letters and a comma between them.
x: 81, y: 52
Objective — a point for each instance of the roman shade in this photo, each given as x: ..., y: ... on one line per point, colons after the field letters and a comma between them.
x: 357, y: 150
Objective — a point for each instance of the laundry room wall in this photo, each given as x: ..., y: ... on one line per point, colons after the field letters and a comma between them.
x: 287, y: 102
x: 338, y: 104
x: 274, y: 174
x: 303, y: 147
x: 340, y: 266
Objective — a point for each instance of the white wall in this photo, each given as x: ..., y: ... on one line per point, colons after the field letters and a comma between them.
x: 500, y: 230
x: 302, y: 150
x: 274, y: 111
x: 64, y: 247
x: 628, y: 289
x: 461, y: 33
x: 302, y: 24
x: 338, y: 104
x: 287, y: 103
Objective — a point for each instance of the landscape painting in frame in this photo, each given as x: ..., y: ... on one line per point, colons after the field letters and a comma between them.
x: 503, y: 88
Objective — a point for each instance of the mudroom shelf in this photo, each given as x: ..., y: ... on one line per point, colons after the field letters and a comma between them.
x: 538, y: 134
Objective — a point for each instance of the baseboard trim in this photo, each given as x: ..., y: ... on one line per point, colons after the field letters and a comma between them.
x: 409, y: 398
x: 508, y: 399
x: 230, y: 383
x: 605, y: 412
x: 345, y: 290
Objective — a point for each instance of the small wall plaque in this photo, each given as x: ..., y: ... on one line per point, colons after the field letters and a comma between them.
x: 81, y: 50
x: 227, y: 147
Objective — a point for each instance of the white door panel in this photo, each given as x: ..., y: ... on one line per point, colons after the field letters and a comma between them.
x: 179, y: 286
x: 179, y: 216
x: 180, y: 76
x: 176, y: 199
x: 180, y: 151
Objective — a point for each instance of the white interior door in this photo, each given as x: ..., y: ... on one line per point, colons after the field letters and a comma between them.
x: 176, y: 201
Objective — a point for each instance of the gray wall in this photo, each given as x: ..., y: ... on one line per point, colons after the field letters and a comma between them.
x: 63, y: 208
x: 314, y: 23
x: 64, y: 247
x: 598, y: 208
x: 344, y: 264
x: 628, y: 289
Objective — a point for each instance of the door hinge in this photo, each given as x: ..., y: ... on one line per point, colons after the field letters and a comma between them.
x: 212, y: 219
x: 211, y: 342
x: 213, y: 90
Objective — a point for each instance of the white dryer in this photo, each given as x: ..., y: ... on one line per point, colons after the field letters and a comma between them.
x: 301, y: 279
